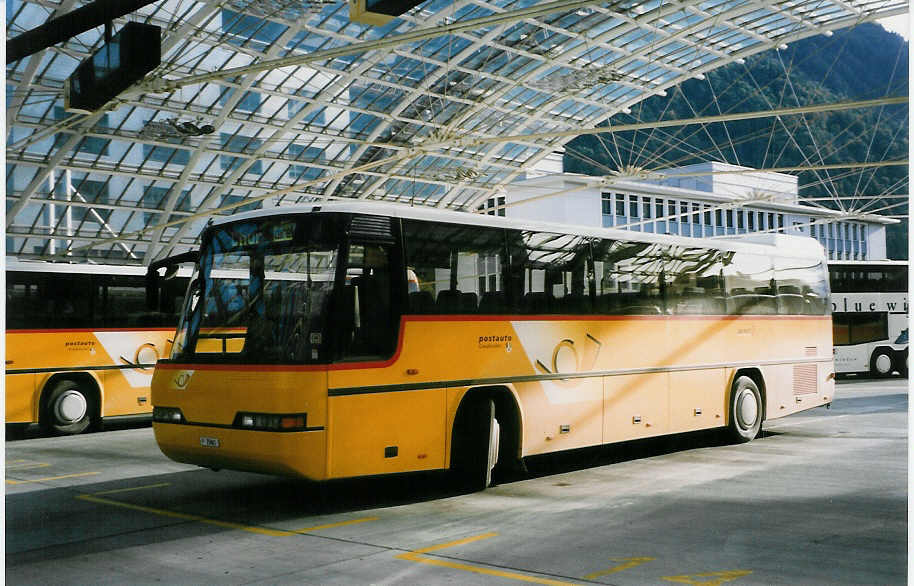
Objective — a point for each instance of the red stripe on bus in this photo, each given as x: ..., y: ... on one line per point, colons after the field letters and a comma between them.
x: 88, y: 330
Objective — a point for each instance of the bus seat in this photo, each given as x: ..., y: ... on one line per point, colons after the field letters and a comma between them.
x: 449, y: 301
x: 536, y: 302
x: 468, y: 302
x: 493, y: 302
x: 576, y: 304
x: 421, y: 302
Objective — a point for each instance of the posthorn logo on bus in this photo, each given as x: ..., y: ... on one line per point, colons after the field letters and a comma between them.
x: 181, y: 379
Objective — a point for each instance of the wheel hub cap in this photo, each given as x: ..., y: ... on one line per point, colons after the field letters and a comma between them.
x: 883, y: 364
x: 748, y: 409
x: 71, y: 407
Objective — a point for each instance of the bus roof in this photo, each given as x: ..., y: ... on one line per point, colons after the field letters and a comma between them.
x: 80, y: 269
x: 69, y: 268
x: 782, y: 244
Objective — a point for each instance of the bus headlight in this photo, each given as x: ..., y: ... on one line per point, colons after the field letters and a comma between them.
x: 167, y: 415
x: 271, y: 421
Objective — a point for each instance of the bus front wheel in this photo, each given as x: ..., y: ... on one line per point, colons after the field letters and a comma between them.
x: 476, y: 434
x: 881, y: 363
x: 68, y: 410
x: 745, y: 410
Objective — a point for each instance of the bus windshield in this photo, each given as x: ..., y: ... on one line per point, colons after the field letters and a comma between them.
x: 262, y: 289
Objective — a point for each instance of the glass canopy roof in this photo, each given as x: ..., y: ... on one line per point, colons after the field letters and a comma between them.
x: 276, y: 102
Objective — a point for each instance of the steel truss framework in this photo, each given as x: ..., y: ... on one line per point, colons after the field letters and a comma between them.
x: 441, y: 107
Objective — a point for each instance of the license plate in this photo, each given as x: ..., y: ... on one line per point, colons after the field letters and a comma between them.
x: 209, y: 442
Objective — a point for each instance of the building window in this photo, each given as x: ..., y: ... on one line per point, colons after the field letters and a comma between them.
x: 751, y: 221
x: 606, y: 202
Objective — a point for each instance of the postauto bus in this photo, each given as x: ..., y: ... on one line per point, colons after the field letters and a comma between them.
x: 353, y: 339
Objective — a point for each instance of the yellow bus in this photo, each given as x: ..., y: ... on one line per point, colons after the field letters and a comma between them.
x: 81, y: 343
x: 352, y: 339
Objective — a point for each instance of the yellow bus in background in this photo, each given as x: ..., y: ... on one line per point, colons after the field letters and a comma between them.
x: 353, y: 339
x: 81, y: 343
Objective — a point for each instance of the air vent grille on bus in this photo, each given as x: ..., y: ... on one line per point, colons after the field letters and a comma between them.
x: 804, y: 379
x: 372, y: 228
x: 811, y: 351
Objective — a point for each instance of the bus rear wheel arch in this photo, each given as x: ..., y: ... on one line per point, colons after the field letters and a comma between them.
x: 747, y: 407
x: 485, y: 440
x: 70, y: 405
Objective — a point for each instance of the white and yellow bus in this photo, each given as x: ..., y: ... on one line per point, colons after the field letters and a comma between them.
x: 355, y: 339
x: 81, y: 343
x: 869, y: 301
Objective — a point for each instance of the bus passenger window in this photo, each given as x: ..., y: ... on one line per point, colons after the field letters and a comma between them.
x: 549, y: 273
x: 750, y: 285
x: 628, y: 277
x: 454, y: 269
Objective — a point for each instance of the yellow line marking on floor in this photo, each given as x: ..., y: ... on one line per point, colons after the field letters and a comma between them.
x: 463, y: 541
x: 416, y: 556
x: 332, y: 525
x: 26, y: 465
x: 629, y: 563
x: 207, y: 520
x: 717, y: 578
x: 185, y: 516
x: 47, y: 478
x: 133, y: 488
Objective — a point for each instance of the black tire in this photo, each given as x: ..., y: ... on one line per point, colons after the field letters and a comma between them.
x: 746, y: 410
x: 881, y: 363
x: 69, y: 409
x: 903, y: 364
x: 476, y: 444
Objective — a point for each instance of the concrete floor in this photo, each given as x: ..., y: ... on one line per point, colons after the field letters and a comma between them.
x: 821, y: 498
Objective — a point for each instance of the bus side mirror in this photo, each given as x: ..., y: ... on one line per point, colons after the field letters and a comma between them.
x: 152, y: 289
x: 171, y: 265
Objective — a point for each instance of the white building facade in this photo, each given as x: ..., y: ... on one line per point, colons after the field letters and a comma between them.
x: 701, y: 201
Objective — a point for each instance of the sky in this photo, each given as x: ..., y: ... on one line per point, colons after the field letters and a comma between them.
x: 898, y: 24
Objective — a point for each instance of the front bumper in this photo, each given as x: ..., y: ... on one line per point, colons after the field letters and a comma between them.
x: 299, y: 454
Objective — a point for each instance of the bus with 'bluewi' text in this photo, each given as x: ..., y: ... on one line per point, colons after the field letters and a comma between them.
x: 353, y: 339
x: 870, y: 315
x: 81, y: 343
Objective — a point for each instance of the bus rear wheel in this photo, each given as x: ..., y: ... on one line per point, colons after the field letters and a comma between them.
x: 476, y: 436
x: 69, y: 409
x: 745, y: 410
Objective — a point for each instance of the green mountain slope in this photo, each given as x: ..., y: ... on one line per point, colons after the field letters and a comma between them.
x: 862, y: 63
